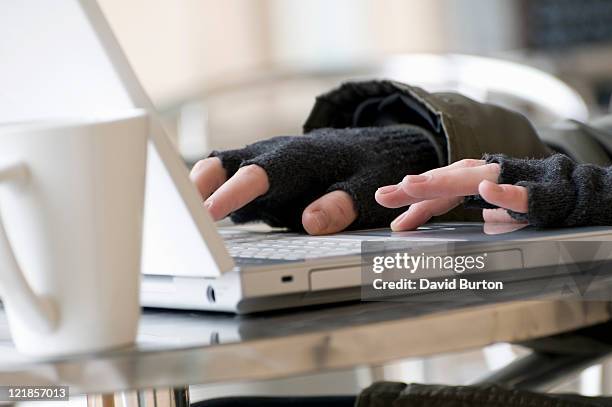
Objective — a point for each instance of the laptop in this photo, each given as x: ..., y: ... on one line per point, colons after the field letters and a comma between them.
x: 61, y: 58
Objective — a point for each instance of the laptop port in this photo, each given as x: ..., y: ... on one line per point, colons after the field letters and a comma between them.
x: 287, y: 279
x: 210, y: 294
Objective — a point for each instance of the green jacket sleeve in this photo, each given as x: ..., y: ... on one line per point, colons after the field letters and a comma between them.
x: 471, y: 129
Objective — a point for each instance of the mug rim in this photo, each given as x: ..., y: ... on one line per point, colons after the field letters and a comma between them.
x: 59, y: 122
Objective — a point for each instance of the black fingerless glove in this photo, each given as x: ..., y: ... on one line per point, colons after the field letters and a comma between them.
x: 561, y: 192
x: 356, y: 160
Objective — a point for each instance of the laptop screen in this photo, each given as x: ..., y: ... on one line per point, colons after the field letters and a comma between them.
x: 52, y: 64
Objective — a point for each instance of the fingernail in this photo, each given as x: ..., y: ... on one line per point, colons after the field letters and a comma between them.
x: 208, y: 203
x: 320, y: 219
x: 415, y: 179
x: 399, y: 219
x: 387, y: 189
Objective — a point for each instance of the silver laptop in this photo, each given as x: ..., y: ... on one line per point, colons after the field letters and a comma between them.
x: 61, y: 58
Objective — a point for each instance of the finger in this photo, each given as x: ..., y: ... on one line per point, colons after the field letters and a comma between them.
x: 465, y: 163
x: 330, y: 213
x: 457, y: 182
x: 245, y: 185
x: 501, y: 228
x: 392, y: 196
x: 419, y: 213
x: 497, y: 216
x: 454, y: 179
x: 208, y: 175
x: 506, y: 196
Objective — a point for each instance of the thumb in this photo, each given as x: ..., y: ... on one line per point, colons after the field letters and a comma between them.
x: 331, y: 213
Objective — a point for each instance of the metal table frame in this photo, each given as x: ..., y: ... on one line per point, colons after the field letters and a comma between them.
x: 313, y: 341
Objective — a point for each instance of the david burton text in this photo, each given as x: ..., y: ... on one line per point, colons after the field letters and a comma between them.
x: 446, y: 284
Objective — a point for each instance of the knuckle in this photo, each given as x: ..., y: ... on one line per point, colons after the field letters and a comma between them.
x: 470, y: 162
x: 252, y: 170
x: 339, y: 205
x: 342, y: 205
x: 494, y: 168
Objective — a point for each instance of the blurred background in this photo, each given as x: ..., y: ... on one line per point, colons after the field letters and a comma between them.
x: 226, y: 73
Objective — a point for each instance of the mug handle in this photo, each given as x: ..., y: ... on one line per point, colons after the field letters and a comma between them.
x: 39, y: 312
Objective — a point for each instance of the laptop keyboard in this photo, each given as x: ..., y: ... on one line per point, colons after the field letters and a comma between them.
x: 286, y: 246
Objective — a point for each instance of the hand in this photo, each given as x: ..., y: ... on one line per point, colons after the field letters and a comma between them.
x: 321, y: 182
x: 437, y: 191
x: 330, y: 213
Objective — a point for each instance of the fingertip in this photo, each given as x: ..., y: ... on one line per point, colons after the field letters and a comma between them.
x: 331, y: 213
x: 211, y: 209
x: 416, y: 185
x: 247, y: 184
x: 384, y: 195
x: 421, y: 212
x: 403, y: 226
x: 208, y: 174
x: 497, y: 215
x: 409, y: 220
x: 487, y: 187
x: 492, y: 193
x: 197, y: 167
x: 513, y: 197
x: 494, y: 167
x: 393, y: 196
x: 396, y: 227
x: 314, y: 222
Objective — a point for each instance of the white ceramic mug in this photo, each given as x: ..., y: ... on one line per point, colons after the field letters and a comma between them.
x: 71, y: 207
